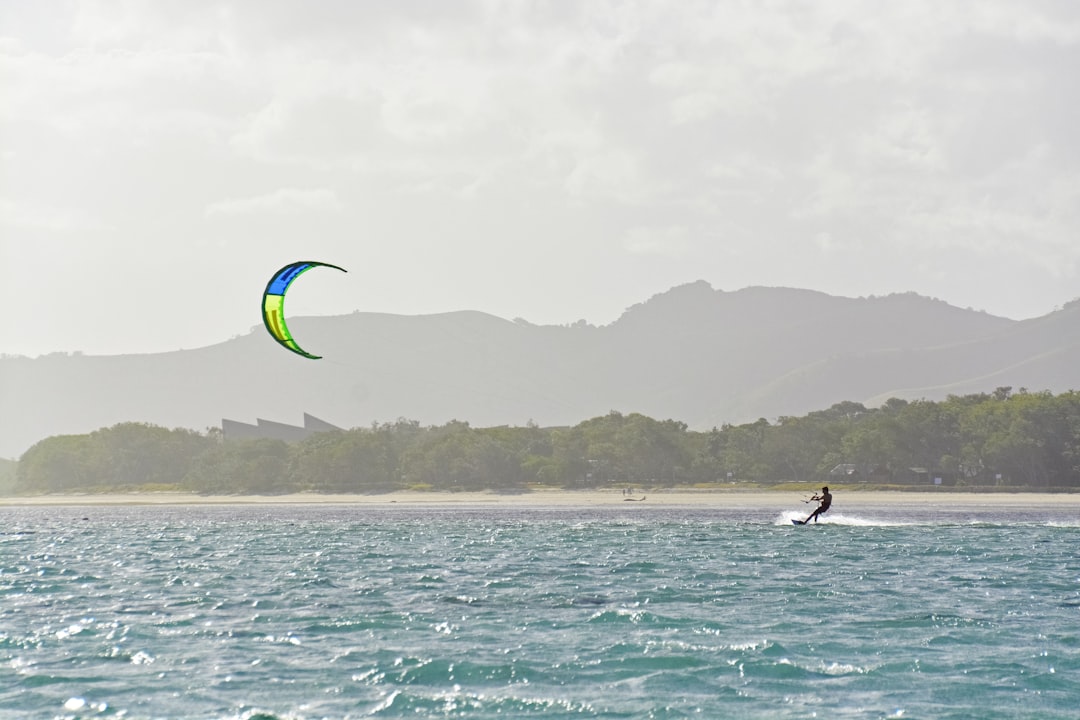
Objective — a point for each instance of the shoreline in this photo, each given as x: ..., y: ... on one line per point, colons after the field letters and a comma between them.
x: 539, y: 499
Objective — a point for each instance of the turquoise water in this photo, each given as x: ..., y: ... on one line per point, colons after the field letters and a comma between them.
x: 644, y: 612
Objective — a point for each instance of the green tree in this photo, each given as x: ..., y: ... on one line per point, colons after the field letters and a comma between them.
x: 55, y: 464
x: 456, y: 457
x: 357, y: 461
x: 243, y: 467
x: 134, y: 454
x: 743, y: 452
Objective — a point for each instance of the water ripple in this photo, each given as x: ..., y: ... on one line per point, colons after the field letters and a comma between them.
x: 299, y: 612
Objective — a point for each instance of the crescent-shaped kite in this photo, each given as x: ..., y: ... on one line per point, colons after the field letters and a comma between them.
x: 273, y: 304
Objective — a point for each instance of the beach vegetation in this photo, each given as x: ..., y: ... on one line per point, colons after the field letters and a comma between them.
x: 992, y: 441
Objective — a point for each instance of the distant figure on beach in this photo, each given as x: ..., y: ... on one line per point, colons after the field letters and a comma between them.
x: 825, y: 500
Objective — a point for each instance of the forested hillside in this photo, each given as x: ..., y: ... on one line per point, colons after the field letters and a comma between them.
x: 997, y: 440
x: 705, y: 356
x: 7, y: 476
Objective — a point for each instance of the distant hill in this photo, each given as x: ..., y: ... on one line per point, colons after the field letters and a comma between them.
x: 695, y: 354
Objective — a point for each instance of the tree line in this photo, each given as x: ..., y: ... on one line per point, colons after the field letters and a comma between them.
x: 1000, y: 439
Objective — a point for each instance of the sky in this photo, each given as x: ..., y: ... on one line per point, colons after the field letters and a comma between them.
x: 552, y: 161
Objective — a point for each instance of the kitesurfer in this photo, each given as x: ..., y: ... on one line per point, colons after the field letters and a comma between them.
x: 824, y: 500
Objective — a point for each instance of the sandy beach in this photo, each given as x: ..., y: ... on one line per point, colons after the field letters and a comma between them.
x: 571, y: 498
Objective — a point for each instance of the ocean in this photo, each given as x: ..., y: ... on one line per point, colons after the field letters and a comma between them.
x: 259, y: 612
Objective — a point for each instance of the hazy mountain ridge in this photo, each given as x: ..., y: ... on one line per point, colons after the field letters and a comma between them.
x: 693, y: 353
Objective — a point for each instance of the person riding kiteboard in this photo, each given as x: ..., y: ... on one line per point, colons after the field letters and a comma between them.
x: 824, y: 500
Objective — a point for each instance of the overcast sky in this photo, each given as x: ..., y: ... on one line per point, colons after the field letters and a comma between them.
x: 546, y: 160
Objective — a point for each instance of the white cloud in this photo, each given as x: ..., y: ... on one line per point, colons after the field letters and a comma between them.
x: 279, y: 202
x: 693, y: 107
x: 611, y: 174
x: 673, y: 241
x: 31, y: 215
x: 833, y: 139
